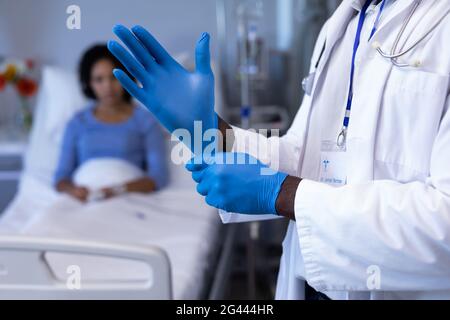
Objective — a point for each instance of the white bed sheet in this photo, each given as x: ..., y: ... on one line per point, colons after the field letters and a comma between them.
x: 175, y: 219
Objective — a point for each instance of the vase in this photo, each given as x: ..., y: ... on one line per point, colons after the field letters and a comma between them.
x: 24, y: 118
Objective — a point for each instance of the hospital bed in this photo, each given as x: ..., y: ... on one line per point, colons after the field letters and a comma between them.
x: 166, y: 245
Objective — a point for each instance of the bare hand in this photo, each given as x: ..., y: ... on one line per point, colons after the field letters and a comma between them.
x: 108, y: 193
x: 80, y: 193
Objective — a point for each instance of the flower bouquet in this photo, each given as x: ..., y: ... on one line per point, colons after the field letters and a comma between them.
x: 18, y: 74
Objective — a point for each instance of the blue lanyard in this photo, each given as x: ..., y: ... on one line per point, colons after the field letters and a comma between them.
x: 377, y: 20
x: 342, y: 136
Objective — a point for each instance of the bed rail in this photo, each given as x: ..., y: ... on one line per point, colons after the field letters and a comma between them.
x: 41, y: 268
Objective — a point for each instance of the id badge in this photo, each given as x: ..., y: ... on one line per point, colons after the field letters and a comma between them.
x: 333, y: 170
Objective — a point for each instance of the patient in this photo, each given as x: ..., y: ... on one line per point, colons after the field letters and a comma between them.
x: 111, y: 127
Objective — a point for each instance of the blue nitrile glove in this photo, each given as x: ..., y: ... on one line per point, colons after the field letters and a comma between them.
x: 237, y: 186
x: 174, y: 95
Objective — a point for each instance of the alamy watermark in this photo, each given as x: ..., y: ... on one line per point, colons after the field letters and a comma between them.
x: 73, y: 21
x: 373, y: 281
x: 73, y: 281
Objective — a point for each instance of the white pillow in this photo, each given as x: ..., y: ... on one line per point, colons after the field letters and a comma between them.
x: 59, y: 98
x: 64, y: 99
x: 106, y: 172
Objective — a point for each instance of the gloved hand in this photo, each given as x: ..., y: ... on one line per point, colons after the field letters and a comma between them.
x: 235, y: 187
x: 174, y: 95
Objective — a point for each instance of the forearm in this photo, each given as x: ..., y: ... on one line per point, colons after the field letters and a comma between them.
x: 64, y: 185
x: 285, y: 202
x: 227, y: 136
x: 142, y: 185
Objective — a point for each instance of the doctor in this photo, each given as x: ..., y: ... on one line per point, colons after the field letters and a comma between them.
x: 363, y: 173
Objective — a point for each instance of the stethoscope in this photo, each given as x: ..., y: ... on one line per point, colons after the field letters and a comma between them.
x: 393, y: 56
x: 308, y: 82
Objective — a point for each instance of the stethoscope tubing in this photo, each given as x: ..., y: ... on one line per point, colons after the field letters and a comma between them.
x: 393, y: 56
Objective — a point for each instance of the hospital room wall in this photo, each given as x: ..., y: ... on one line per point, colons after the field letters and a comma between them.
x: 37, y: 29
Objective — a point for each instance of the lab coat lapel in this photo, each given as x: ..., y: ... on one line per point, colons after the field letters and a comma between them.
x: 339, y: 21
x: 428, y: 15
x: 336, y: 27
x: 427, y: 12
x: 401, y: 7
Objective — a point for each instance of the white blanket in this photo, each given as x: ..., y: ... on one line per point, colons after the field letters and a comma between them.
x: 175, y: 219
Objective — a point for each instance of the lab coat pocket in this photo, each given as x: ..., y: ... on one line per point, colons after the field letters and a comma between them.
x: 409, y: 118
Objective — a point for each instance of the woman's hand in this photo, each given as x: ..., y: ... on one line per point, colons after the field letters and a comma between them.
x: 141, y: 185
x: 80, y: 193
x: 108, y: 193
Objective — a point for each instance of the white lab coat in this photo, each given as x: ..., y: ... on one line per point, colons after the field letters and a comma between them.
x: 393, y: 215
